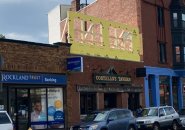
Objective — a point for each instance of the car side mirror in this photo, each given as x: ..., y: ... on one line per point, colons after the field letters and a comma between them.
x: 109, y: 120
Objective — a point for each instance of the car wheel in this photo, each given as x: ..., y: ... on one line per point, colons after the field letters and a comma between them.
x: 156, y: 126
x: 174, y: 125
x: 131, y: 128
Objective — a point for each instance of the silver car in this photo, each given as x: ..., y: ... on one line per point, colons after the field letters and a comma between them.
x: 158, y: 117
x: 182, y: 118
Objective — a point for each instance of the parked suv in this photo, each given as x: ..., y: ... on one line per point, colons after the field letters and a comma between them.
x: 5, y: 121
x: 113, y: 119
x: 157, y: 117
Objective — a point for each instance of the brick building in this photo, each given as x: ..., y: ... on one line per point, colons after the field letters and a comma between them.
x: 33, y: 73
x: 126, y: 49
x: 127, y: 62
x: 152, y: 81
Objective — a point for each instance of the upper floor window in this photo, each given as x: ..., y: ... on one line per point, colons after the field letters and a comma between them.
x: 175, y: 17
x: 160, y: 13
x: 177, y: 54
x: 184, y: 54
x: 162, y: 47
x: 183, y: 20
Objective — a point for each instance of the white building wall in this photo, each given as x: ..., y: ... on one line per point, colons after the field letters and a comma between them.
x: 54, y: 17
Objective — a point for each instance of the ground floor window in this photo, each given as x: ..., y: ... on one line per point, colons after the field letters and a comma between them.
x: 38, y: 108
x: 164, y: 89
x: 150, y: 78
x: 88, y: 102
x: 3, y: 99
x: 164, y: 95
x: 175, y: 92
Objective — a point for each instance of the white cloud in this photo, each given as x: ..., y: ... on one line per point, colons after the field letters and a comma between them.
x: 18, y: 36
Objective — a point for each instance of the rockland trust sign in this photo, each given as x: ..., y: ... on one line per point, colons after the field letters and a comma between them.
x: 33, y: 78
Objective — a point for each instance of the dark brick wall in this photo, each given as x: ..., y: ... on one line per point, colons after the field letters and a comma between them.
x: 33, y: 57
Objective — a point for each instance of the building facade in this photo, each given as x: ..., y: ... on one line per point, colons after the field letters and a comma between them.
x: 177, y: 9
x: 33, y: 79
x: 127, y: 61
x: 148, y: 77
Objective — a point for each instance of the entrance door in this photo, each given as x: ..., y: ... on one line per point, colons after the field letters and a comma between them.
x: 110, y: 100
x: 19, y: 108
x: 133, y: 101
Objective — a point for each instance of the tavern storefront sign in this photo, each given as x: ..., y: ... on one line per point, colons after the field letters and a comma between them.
x: 101, y: 88
x: 109, y: 78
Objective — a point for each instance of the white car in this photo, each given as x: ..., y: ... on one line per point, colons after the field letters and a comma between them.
x: 5, y: 121
x: 158, y: 117
x: 182, y: 117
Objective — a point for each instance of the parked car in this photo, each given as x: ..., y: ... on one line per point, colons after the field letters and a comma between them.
x: 158, y: 117
x: 182, y: 118
x: 113, y: 119
x: 5, y: 121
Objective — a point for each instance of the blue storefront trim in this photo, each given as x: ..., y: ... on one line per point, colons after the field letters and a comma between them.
x: 155, y: 73
x: 33, y: 78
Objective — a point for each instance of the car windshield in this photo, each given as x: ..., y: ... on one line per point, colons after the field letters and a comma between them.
x: 150, y: 112
x: 98, y: 116
x: 4, y: 118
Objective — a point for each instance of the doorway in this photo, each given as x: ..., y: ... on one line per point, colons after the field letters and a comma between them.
x: 110, y: 100
x: 133, y: 101
x: 19, y: 108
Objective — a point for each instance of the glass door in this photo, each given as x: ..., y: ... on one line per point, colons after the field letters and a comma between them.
x: 19, y: 108
x: 22, y: 101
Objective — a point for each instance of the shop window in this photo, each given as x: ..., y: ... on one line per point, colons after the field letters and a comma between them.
x: 164, y: 95
x: 150, y: 90
x: 38, y: 104
x: 177, y: 54
x: 175, y: 92
x: 87, y: 102
x: 164, y: 90
x: 3, y: 100
x: 55, y: 108
x: 162, y: 49
x: 48, y: 115
x: 160, y: 13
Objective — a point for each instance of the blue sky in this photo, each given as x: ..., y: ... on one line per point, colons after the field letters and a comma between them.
x: 27, y: 19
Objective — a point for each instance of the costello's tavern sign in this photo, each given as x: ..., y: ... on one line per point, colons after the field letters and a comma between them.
x: 111, y: 78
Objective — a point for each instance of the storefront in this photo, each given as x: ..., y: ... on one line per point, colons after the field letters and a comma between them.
x: 163, y: 86
x: 24, y: 95
x: 108, y: 91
